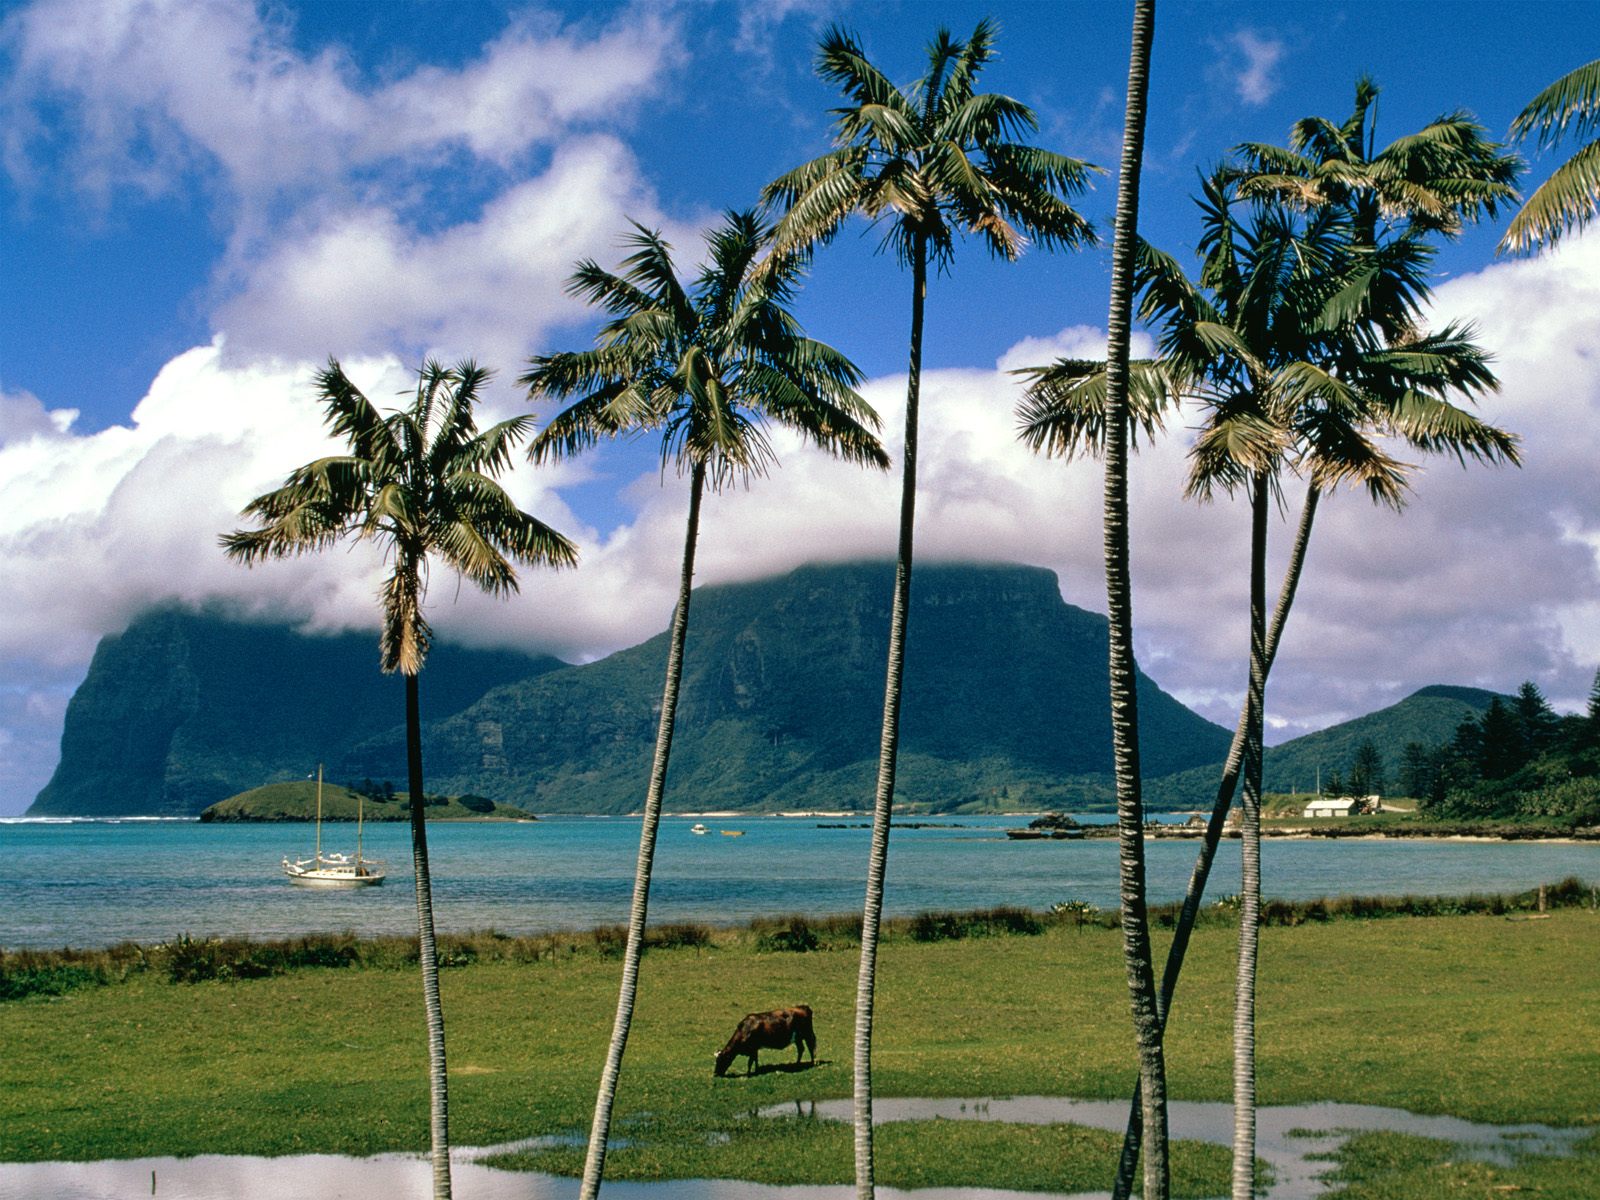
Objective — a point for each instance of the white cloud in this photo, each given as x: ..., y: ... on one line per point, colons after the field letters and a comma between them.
x: 23, y: 415
x: 1250, y: 64
x: 364, y: 279
x: 1489, y: 577
x: 152, y: 86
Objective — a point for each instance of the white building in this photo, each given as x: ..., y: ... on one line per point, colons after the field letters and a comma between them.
x: 1342, y: 806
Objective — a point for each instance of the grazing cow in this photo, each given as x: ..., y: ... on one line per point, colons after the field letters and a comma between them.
x: 773, y: 1030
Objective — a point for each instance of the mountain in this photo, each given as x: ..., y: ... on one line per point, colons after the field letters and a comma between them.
x: 1428, y: 716
x: 1005, y: 698
x: 184, y: 709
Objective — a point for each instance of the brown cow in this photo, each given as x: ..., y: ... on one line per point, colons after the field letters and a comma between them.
x: 773, y: 1030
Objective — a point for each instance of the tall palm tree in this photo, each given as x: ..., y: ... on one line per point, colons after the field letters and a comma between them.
x: 1433, y: 181
x: 1295, y: 370
x: 1290, y: 345
x: 422, y: 483
x: 932, y: 161
x: 707, y: 367
x: 1569, y: 199
x: 1119, y: 611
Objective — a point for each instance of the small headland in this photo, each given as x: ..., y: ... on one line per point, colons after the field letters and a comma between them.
x: 297, y: 801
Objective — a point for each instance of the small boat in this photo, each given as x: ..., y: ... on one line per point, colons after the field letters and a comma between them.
x: 699, y: 829
x: 334, y: 870
x: 732, y: 832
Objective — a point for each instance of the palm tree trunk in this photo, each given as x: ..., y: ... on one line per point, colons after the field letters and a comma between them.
x: 427, y: 952
x: 1244, y: 1008
x: 599, y: 1132
x: 1190, y: 912
x: 1119, y: 603
x: 889, y: 741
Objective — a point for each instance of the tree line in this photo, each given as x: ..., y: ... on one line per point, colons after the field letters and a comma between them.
x: 1301, y: 342
x: 1519, y: 759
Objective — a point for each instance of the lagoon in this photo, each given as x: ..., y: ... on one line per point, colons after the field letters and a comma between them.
x: 90, y: 883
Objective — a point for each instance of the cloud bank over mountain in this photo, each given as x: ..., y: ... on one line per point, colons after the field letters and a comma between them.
x: 327, y: 179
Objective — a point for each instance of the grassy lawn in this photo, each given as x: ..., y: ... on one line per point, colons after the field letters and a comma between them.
x: 1482, y: 1017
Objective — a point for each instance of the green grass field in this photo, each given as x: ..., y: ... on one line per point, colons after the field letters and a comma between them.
x: 1485, y: 1017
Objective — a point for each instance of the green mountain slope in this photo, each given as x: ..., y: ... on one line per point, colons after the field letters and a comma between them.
x: 1428, y: 716
x: 184, y: 709
x: 1005, y: 698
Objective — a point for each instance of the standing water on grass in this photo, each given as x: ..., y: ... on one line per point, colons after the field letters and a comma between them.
x: 1288, y: 1136
x: 90, y: 883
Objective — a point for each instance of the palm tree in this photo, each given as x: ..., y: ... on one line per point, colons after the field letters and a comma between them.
x: 1293, y: 356
x: 932, y: 161
x: 1433, y: 181
x: 1119, y: 610
x: 421, y: 482
x: 708, y: 367
x: 1286, y: 349
x: 1569, y: 199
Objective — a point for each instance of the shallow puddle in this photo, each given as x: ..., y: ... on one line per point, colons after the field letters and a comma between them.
x: 1282, y: 1140
x: 1286, y: 1135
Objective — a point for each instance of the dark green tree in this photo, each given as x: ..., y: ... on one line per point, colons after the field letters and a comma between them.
x: 1367, y: 773
x: 1416, y: 771
x: 1501, y: 750
x: 1538, y: 721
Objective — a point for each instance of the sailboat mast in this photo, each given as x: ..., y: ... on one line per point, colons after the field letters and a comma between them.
x: 319, y: 814
x: 359, y: 798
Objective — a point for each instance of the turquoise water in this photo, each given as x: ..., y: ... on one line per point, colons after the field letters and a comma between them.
x: 92, y: 883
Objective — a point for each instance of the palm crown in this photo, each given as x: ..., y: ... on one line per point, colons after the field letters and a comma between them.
x: 706, y: 366
x: 421, y: 480
x: 1301, y: 343
x: 1434, y: 180
x: 935, y: 159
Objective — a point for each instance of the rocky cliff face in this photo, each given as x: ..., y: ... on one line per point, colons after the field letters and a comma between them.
x: 185, y: 709
x: 1005, y: 695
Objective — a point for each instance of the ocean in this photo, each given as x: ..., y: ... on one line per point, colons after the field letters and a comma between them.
x: 90, y: 883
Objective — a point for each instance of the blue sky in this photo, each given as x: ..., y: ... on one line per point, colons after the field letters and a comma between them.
x: 199, y: 202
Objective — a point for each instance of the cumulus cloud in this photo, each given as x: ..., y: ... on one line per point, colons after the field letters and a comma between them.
x: 150, y: 86
x: 1488, y: 577
x: 23, y: 416
x: 1248, y: 63
x: 365, y: 279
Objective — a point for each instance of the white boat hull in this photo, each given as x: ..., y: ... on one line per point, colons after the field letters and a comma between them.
x: 334, y: 873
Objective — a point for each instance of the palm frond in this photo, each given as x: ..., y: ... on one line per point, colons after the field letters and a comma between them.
x: 1436, y: 426
x: 1563, y: 204
x: 1062, y: 411
x: 1573, y: 101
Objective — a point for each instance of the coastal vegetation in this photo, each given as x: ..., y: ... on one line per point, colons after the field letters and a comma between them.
x: 298, y: 802
x: 1405, y: 1011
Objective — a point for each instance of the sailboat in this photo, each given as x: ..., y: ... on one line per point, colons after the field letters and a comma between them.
x: 334, y: 870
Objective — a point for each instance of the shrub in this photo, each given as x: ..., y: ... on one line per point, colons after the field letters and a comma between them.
x: 475, y: 803
x: 794, y: 936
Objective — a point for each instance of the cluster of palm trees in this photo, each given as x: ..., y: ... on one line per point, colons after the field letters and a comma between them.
x: 1300, y: 344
